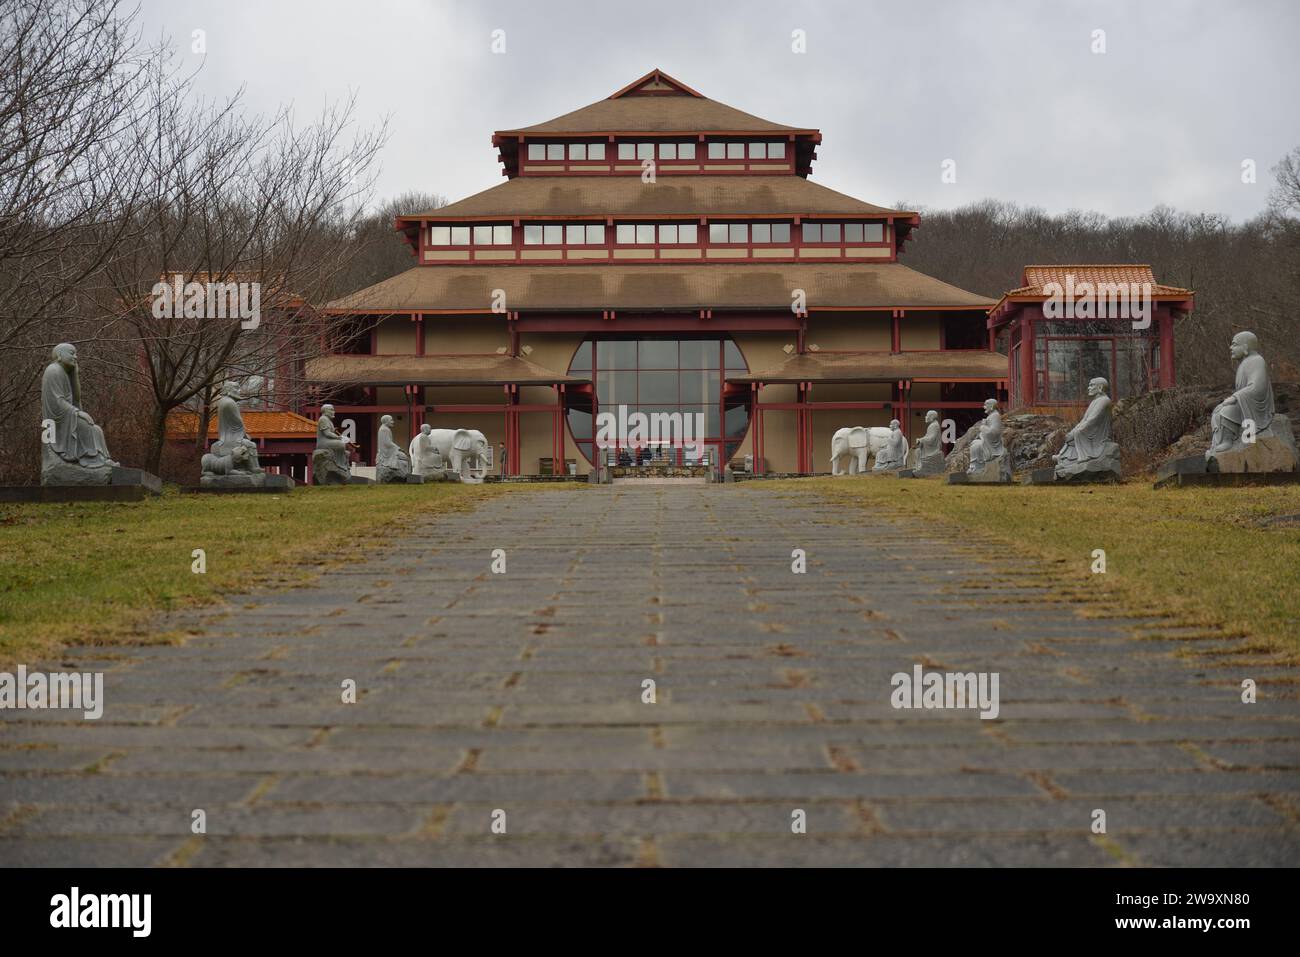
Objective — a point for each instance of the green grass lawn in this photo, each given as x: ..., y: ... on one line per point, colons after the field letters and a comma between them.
x: 95, y: 572
x: 1203, y: 556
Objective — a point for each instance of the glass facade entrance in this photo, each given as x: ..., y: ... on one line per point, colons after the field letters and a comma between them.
x: 660, y: 376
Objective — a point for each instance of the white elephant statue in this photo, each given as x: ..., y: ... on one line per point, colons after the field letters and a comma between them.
x: 466, y: 453
x: 850, y: 448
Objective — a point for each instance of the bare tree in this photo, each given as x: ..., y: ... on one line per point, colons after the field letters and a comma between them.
x: 70, y: 71
x: 258, y: 204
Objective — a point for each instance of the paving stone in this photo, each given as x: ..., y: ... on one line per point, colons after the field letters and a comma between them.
x: 522, y: 692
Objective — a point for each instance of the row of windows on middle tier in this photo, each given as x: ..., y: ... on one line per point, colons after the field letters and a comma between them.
x: 648, y: 234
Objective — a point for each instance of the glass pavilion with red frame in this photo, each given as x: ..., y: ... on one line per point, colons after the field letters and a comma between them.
x: 1054, y: 353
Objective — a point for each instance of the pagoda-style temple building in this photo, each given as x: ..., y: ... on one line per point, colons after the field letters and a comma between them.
x: 664, y: 252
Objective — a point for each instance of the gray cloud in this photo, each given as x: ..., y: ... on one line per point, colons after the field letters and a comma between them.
x: 1009, y: 90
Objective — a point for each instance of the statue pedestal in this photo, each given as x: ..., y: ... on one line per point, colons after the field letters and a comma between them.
x: 1085, y: 476
x: 1274, y: 450
x: 245, y: 482
x: 995, y: 472
x: 326, y: 471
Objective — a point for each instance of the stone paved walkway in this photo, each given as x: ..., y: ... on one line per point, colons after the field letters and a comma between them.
x: 522, y: 693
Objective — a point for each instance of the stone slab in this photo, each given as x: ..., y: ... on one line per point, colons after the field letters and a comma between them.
x: 1187, y: 465
x: 961, y: 478
x: 274, y: 484
x: 73, y: 493
x: 128, y: 476
x: 1048, y: 476
x: 1227, y: 479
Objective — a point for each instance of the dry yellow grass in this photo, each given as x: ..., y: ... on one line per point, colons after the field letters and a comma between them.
x: 96, y: 572
x: 1206, y: 556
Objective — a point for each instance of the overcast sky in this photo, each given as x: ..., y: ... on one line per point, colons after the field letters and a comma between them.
x: 1011, y: 91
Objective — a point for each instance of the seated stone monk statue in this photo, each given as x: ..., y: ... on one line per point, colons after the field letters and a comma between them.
x: 425, y: 458
x: 329, y: 439
x: 929, y: 447
x: 391, y: 463
x: 988, y: 446
x: 329, y: 463
x: 1088, y: 446
x: 1248, y: 434
x: 893, y: 456
x: 231, y: 434
x: 75, y: 454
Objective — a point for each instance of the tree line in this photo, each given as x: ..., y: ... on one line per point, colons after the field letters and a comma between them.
x: 116, y: 175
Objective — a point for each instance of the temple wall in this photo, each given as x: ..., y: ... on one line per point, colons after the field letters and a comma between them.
x: 462, y: 336
x: 855, y: 332
x: 395, y: 336
x: 920, y: 330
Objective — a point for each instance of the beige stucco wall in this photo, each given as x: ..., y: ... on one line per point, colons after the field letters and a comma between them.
x: 850, y: 332
x: 395, y: 336
x: 919, y: 330
x: 460, y: 336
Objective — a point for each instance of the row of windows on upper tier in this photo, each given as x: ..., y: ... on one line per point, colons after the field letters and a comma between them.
x: 646, y: 234
x: 716, y: 150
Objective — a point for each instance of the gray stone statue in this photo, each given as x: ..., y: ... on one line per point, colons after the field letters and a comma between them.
x: 73, y: 450
x: 1248, y: 435
x: 426, y: 460
x: 329, y: 463
x: 892, y: 456
x: 929, y: 447
x: 1089, y: 451
x: 231, y: 462
x: 391, y: 463
x: 989, y: 461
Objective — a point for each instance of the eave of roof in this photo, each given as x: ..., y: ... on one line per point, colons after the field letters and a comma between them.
x: 657, y: 287
x: 433, y: 370
x: 975, y: 365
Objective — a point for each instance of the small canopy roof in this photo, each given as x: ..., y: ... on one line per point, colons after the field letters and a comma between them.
x: 433, y: 370
x: 1036, y: 279
x: 977, y: 365
x: 258, y: 423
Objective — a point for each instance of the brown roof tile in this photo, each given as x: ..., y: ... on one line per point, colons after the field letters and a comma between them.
x: 626, y: 112
x: 658, y: 287
x: 1036, y: 278
x: 674, y: 195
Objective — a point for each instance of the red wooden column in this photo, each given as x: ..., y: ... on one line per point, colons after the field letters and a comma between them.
x: 1028, y: 383
x: 1166, y: 348
x: 807, y: 429
x: 512, y: 429
x: 798, y: 428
